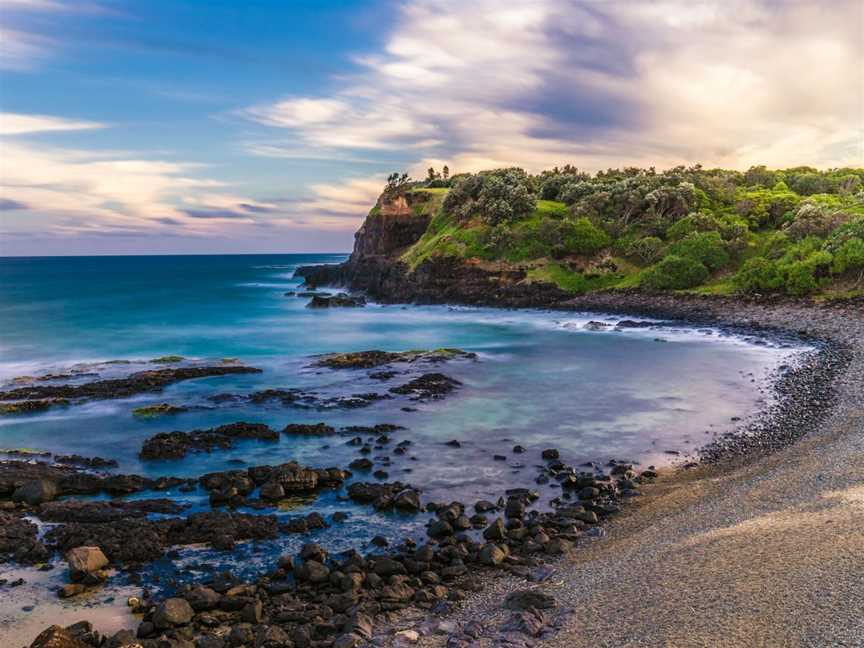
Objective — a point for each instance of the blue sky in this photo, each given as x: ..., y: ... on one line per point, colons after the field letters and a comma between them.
x: 265, y: 126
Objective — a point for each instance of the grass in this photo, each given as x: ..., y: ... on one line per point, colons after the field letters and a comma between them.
x: 550, y: 209
x: 571, y: 280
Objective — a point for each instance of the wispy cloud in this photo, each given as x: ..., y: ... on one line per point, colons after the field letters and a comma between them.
x: 480, y: 84
x: 21, y: 50
x: 80, y: 191
x: 18, y: 124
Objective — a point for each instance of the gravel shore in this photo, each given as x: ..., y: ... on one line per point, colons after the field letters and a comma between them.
x: 762, y: 545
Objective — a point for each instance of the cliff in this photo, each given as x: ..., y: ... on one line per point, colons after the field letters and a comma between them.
x: 377, y: 266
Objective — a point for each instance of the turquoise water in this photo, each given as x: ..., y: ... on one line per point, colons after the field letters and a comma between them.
x: 542, y: 379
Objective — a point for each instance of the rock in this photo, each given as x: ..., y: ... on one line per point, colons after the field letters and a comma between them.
x: 272, y: 491
x: 252, y: 612
x: 531, y: 622
x: 557, y: 546
x: 492, y: 555
x: 484, y: 506
x: 57, y: 637
x: 313, y: 551
x: 361, y: 625
x: 427, y: 386
x: 209, y: 641
x: 340, y: 300
x: 71, y: 589
x: 85, y: 560
x: 172, y: 612
x: 272, y: 637
x: 515, y: 508
x: 312, y: 571
x: 440, y: 529
x: 386, y: 567
x: 524, y: 599
x: 151, y: 380
x: 407, y: 636
x: 308, y: 429
x: 550, y: 454
x: 202, y: 598
x: 407, y: 500
x: 495, y: 531
x: 121, y: 638
x: 176, y: 445
x: 361, y: 464
x: 347, y: 641
x: 36, y: 492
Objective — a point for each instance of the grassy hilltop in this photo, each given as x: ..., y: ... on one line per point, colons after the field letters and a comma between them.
x: 796, y: 231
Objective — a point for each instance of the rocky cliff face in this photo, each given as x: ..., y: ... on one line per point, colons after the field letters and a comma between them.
x: 376, y: 269
x: 391, y: 227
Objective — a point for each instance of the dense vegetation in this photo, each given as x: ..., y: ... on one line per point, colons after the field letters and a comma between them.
x: 796, y: 231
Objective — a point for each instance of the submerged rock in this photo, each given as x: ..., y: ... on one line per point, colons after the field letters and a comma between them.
x: 376, y: 358
x: 430, y: 385
x: 155, y: 411
x: 308, y: 429
x: 176, y: 445
x: 30, y: 406
x: 339, y: 300
x: 153, y: 380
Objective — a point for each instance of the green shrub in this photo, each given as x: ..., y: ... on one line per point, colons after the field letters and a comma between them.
x: 695, y: 222
x: 648, y: 249
x: 849, y: 256
x: 849, y: 231
x: 763, y: 207
x: 583, y: 237
x: 706, y: 247
x: 675, y: 272
x: 758, y: 275
x: 813, y: 219
x: 502, y: 195
x: 800, y: 279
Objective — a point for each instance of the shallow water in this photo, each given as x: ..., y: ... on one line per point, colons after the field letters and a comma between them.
x: 542, y: 379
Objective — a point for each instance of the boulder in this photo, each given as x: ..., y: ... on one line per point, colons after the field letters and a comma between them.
x: 492, y: 555
x: 36, y: 492
x: 172, y: 612
x: 85, y: 560
x: 407, y: 500
x: 202, y: 598
x: 57, y: 637
x: 312, y: 571
x: 524, y: 599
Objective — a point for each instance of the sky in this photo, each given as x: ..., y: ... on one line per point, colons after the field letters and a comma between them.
x: 217, y: 126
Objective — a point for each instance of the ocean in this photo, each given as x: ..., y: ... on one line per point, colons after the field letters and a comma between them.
x: 650, y: 395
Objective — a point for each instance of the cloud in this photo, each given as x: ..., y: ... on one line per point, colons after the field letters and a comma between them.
x: 73, y: 191
x: 478, y: 84
x: 22, y: 50
x: 25, y: 43
x: 19, y: 124
x: 7, y: 204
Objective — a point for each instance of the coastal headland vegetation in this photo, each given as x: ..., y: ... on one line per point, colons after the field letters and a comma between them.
x: 796, y: 231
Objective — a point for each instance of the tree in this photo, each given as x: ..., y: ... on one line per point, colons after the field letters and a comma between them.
x: 445, y: 172
x: 397, y: 183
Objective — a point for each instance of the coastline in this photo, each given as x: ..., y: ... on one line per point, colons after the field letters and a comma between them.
x: 834, y: 355
x: 710, y: 555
